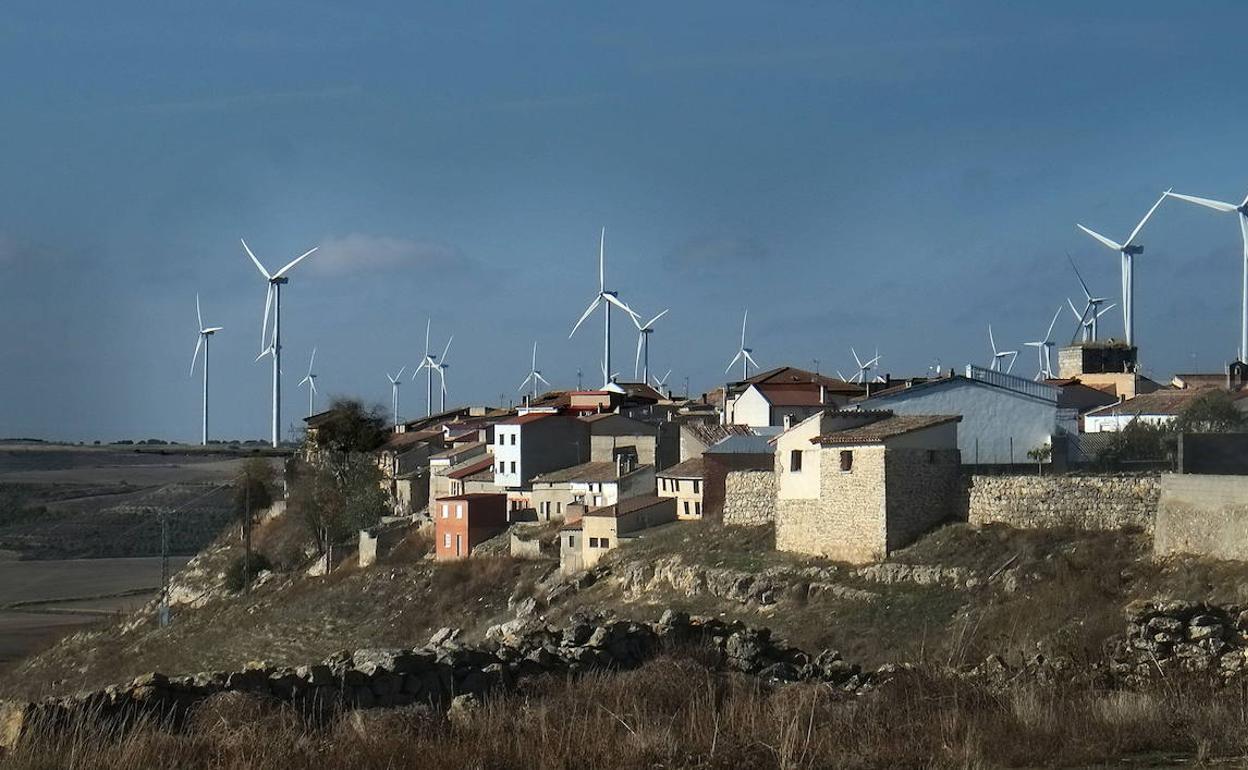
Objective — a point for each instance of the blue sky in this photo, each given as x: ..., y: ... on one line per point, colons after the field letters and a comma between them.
x: 871, y: 174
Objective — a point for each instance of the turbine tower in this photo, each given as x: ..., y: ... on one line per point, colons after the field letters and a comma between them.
x: 1242, y: 210
x: 534, y: 377
x: 863, y: 367
x: 395, y: 381
x: 440, y: 367
x: 1044, y: 350
x: 743, y: 353
x: 1129, y: 249
x: 273, y: 301
x: 310, y: 380
x: 204, y: 333
x: 643, y: 346
x: 428, y: 364
x: 606, y: 299
x: 999, y: 355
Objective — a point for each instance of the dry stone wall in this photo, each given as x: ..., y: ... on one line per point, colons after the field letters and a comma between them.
x: 1091, y: 502
x: 749, y: 497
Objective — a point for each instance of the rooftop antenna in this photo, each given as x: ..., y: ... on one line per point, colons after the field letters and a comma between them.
x: 1129, y: 249
x: 273, y: 301
x: 743, y: 353
x: 202, y: 341
x: 535, y: 376
x: 643, y: 346
x: 1000, y: 355
x: 1044, y: 350
x: 310, y: 380
x: 1242, y: 210
x: 395, y: 381
x: 606, y: 299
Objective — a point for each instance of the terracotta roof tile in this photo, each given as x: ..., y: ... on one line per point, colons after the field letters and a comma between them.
x: 694, y: 468
x: 882, y: 430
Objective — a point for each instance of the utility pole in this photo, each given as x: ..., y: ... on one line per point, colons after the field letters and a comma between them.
x: 163, y: 612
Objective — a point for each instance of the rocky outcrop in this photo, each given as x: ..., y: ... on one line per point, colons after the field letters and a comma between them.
x: 443, y: 672
x: 1164, y: 636
x: 759, y: 588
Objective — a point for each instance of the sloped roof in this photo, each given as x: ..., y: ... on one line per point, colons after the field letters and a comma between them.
x: 748, y: 444
x: 471, y: 467
x: 396, y: 441
x: 1160, y: 402
x: 710, y: 434
x: 694, y: 468
x: 791, y: 394
x: 525, y: 419
x: 457, y: 449
x: 592, y: 471
x: 630, y: 505
x: 882, y: 430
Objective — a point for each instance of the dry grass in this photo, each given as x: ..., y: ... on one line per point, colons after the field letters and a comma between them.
x: 673, y: 712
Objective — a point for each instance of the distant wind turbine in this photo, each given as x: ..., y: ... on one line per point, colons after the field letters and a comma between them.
x: 395, y: 381
x: 1092, y: 311
x: 273, y: 301
x: 440, y: 367
x: 204, y: 333
x: 310, y: 380
x: 743, y: 353
x: 1242, y: 210
x: 429, y: 364
x: 643, y: 346
x: 534, y: 377
x: 606, y: 299
x: 1129, y: 249
x: 1088, y: 319
x: 661, y: 382
x: 999, y: 355
x: 1044, y: 350
x: 863, y: 367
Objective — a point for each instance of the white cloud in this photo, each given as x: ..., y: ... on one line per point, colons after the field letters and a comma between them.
x: 356, y: 250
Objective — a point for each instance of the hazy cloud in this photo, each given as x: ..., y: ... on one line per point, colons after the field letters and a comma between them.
x: 708, y: 253
x: 379, y: 252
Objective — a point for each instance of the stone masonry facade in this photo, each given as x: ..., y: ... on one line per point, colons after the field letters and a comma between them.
x: 1092, y: 502
x: 749, y: 498
x: 922, y: 492
x: 846, y: 522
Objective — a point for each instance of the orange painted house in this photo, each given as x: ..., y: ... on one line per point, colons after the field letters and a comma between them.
x: 462, y: 522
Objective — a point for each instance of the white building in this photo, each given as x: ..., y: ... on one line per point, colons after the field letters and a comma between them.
x: 536, y: 443
x: 1003, y: 416
x: 1158, y: 408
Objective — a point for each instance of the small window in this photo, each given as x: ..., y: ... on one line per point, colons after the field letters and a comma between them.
x: 571, y: 541
x: 697, y: 486
x: 847, y: 460
x: 686, y: 507
x: 697, y: 509
x: 663, y: 484
x: 446, y: 511
x: 593, y: 542
x: 446, y: 540
x: 502, y: 467
x: 513, y: 439
x: 559, y: 506
x: 513, y: 466
x: 795, y: 460
x: 459, y: 510
x: 604, y: 542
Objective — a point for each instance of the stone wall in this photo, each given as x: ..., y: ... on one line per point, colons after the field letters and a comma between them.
x: 1202, y: 515
x: 922, y: 492
x: 1093, y: 502
x: 749, y: 497
x: 846, y: 523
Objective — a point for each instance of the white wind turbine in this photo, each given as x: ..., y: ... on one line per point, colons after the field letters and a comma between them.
x: 1242, y: 210
x: 1129, y: 249
x: 534, y: 377
x: 661, y: 382
x: 273, y: 301
x: 606, y: 299
x: 1044, y: 350
x: 204, y: 333
x: 310, y: 380
x: 743, y: 353
x: 863, y: 367
x: 428, y: 364
x: 440, y: 367
x: 642, y: 360
x: 1091, y: 312
x: 395, y: 381
x: 999, y: 355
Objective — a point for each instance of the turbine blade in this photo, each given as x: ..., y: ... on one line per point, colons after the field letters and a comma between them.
x: 872, y: 362
x: 541, y: 379
x: 259, y: 266
x: 428, y: 326
x: 525, y: 384
x: 602, y: 260
x: 734, y: 361
x: 592, y: 307
x: 750, y: 358
x: 198, y: 343
x: 744, y: 318
x: 1107, y: 242
x: 992, y: 340
x: 857, y: 360
x: 198, y: 315
x: 1076, y: 312
x: 1206, y: 202
x: 650, y: 323
x: 1077, y: 275
x: 534, y: 366
x: 637, y: 359
x: 446, y: 349
x: 311, y: 361
x: 305, y: 379
x: 614, y: 300
x: 1140, y: 226
x: 264, y: 353
x: 399, y: 376
x: 1108, y: 308
x: 1052, y: 323
x: 312, y: 382
x: 295, y: 261
x: 268, y: 304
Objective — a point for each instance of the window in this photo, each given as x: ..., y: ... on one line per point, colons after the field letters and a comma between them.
x: 513, y: 439
x: 697, y: 486
x: 446, y: 540
x: 446, y: 511
x: 513, y: 466
x: 459, y: 510
x: 559, y: 507
x: 663, y: 484
x: 847, y: 460
x: 795, y: 460
x: 593, y: 542
x: 571, y: 541
x: 697, y: 509
x: 502, y: 467
x: 686, y: 507
x: 604, y: 542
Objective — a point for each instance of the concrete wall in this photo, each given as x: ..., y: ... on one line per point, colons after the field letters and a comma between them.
x: 1214, y: 453
x: 1109, y: 421
x: 1094, y: 502
x: 749, y: 497
x: 991, y: 417
x: 378, y: 540
x: 1203, y: 515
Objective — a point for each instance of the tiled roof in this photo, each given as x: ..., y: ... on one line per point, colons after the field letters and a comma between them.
x: 713, y: 433
x: 791, y: 374
x: 591, y: 471
x: 693, y: 468
x: 472, y: 467
x: 791, y: 394
x: 1161, y: 402
x: 525, y: 419
x: 456, y: 450
x: 473, y: 496
x: 408, y: 438
x: 882, y: 430
x: 630, y: 505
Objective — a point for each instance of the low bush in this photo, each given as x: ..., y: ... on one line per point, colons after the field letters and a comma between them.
x: 236, y: 578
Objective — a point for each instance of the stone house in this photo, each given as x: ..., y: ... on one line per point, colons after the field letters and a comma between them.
x: 697, y: 436
x: 592, y: 484
x: 462, y: 522
x: 603, y: 528
x: 683, y: 482
x: 403, y: 461
x: 736, y: 454
x: 856, y: 487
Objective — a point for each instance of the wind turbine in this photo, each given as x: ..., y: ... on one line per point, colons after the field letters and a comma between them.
x: 440, y: 367
x: 1044, y: 350
x: 643, y: 346
x: 863, y: 368
x: 999, y: 355
x: 273, y: 301
x: 661, y: 382
x: 1088, y: 318
x: 428, y: 364
x: 204, y: 333
x: 743, y: 353
x: 1242, y: 210
x: 534, y: 377
x: 606, y: 299
x: 1129, y: 249
x: 395, y: 381
x: 310, y: 380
